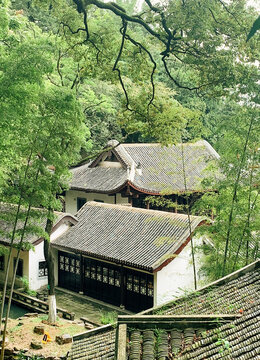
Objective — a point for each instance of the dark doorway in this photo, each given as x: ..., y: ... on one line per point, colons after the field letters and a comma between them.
x: 106, y: 281
x: 69, y: 271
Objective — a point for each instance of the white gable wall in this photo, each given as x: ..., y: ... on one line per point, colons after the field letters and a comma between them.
x: 176, y: 278
x: 72, y: 195
x: 38, y: 255
x: 35, y: 282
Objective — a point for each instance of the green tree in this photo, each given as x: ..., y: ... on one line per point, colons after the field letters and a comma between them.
x: 207, y: 37
x: 42, y: 130
x: 235, y: 203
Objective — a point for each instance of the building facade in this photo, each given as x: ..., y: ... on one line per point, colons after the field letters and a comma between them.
x: 126, y: 256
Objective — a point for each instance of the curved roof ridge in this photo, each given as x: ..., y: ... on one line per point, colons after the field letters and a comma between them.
x: 141, y: 210
x: 210, y: 148
x: 124, y: 155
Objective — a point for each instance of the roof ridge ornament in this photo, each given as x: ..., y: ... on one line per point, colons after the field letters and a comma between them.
x: 131, y: 171
x: 112, y: 143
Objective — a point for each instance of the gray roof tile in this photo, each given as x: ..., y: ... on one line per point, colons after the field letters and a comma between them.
x: 237, y: 293
x: 36, y: 222
x: 162, y: 168
x: 99, y: 346
x: 132, y: 236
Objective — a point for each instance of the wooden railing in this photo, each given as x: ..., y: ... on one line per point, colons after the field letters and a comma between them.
x: 37, y: 305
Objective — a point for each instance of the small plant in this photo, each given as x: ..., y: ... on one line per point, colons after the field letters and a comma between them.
x: 22, y: 356
x: 108, y: 317
x: 225, y: 346
x: 26, y: 286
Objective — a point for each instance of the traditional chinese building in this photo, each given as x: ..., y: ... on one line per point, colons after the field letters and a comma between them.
x: 32, y: 264
x: 126, y: 256
x: 220, y: 321
x: 128, y: 173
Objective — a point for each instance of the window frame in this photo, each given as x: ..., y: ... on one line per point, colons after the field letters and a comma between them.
x: 20, y: 266
x: 45, y: 269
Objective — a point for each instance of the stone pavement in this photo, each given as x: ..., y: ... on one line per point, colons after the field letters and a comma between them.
x: 84, y: 306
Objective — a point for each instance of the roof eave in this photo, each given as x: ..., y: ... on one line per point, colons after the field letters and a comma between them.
x: 137, y: 188
x: 103, y: 257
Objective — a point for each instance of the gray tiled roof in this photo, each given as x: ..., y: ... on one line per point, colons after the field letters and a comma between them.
x: 127, y: 235
x: 162, y: 168
x: 37, y: 219
x: 227, y: 298
x: 239, y: 338
x: 95, y: 344
x: 238, y: 293
x: 97, y: 179
x: 235, y: 339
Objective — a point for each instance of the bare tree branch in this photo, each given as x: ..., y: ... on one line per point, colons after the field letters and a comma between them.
x: 123, y: 15
x: 174, y: 80
x: 116, y: 68
x: 136, y: 43
x: 76, y: 79
x: 53, y: 82
x: 95, y: 105
x: 230, y: 13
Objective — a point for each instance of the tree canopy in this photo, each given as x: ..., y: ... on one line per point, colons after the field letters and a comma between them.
x: 167, y: 72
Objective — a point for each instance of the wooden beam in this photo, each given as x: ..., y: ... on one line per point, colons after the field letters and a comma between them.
x: 179, y: 321
x: 151, y: 318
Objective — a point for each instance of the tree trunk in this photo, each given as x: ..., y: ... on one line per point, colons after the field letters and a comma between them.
x: 52, y: 309
x: 189, y: 219
x: 230, y: 219
x: 50, y: 266
x: 13, y: 282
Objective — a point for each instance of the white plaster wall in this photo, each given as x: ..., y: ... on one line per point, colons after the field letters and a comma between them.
x: 176, y: 278
x: 71, y: 199
x: 110, y: 164
x: 31, y: 261
x: 37, y: 255
x: 59, y: 231
x: 121, y: 200
x: 35, y: 282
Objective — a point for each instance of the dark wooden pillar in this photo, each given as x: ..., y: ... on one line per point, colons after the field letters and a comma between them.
x: 122, y: 286
x: 130, y: 200
x: 81, y: 274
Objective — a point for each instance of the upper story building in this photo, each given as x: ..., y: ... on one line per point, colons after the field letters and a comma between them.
x: 128, y: 173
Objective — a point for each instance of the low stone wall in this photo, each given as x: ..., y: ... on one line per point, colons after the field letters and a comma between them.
x: 37, y: 305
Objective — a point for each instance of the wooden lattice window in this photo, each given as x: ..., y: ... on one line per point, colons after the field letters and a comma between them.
x: 43, y: 270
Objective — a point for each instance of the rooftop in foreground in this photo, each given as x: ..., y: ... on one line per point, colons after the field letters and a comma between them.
x: 220, y: 321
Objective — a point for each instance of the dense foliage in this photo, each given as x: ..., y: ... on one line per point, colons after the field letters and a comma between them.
x: 170, y: 72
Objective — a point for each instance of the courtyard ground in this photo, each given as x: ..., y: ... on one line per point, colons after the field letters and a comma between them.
x: 21, y: 335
